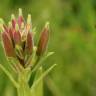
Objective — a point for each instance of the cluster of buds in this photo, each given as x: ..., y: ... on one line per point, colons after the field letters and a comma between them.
x: 18, y: 39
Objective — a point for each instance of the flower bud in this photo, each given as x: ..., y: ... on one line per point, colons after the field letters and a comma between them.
x: 43, y: 40
x: 13, y: 20
x: 9, y: 50
x: 29, y: 43
x: 18, y: 40
x: 20, y: 18
x: 29, y: 23
x: 10, y: 32
x: 17, y: 37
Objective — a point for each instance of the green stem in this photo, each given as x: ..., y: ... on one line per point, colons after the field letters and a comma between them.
x: 24, y: 89
x: 38, y: 90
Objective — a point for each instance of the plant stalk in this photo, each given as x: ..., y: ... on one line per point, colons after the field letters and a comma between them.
x: 24, y: 89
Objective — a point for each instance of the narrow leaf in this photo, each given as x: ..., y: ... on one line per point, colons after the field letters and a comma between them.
x: 42, y: 60
x: 9, y: 75
x: 42, y: 76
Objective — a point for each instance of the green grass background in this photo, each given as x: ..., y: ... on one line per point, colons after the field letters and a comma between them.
x: 72, y: 38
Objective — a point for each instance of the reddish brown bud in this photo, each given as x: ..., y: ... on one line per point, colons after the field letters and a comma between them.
x: 17, y: 37
x: 9, y: 50
x: 11, y: 33
x: 29, y: 43
x: 43, y: 41
x: 13, y: 20
x: 20, y: 20
x: 13, y: 23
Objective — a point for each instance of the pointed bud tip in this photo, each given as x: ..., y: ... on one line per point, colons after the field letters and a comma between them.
x: 29, y: 19
x: 47, y: 25
x: 20, y: 11
x: 17, y: 27
x: 22, y: 25
x: 9, y: 24
x: 12, y: 16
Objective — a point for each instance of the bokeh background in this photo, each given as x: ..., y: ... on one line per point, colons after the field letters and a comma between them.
x: 72, y: 38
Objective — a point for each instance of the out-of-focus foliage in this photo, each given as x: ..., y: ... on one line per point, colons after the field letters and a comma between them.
x: 72, y: 37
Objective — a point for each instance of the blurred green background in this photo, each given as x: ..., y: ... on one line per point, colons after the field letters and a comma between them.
x: 72, y: 38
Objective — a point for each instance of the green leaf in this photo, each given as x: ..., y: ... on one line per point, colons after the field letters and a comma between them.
x: 38, y: 90
x: 9, y: 75
x: 40, y: 78
x: 3, y: 59
x: 4, y: 65
x: 1, y: 23
x: 42, y: 60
